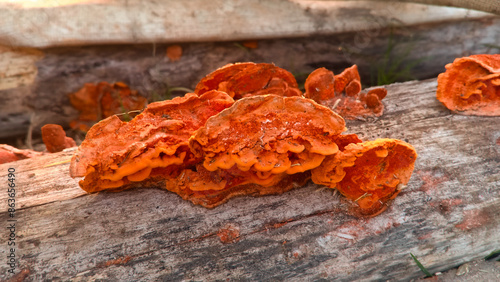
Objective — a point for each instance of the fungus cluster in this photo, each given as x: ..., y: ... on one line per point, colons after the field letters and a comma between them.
x: 207, y: 147
x: 342, y: 93
x: 261, y: 141
x: 115, y: 153
x: 102, y: 100
x: 471, y: 85
x: 242, y: 80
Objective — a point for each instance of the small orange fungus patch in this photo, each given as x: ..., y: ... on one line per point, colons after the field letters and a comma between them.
x: 118, y: 261
x: 174, y: 52
x: 369, y: 173
x: 11, y: 154
x: 248, y: 79
x: 102, y: 100
x: 55, y: 139
x: 230, y: 233
x: 342, y: 93
x: 251, y: 44
x: 471, y: 85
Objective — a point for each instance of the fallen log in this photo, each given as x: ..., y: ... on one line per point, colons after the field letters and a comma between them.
x: 448, y: 214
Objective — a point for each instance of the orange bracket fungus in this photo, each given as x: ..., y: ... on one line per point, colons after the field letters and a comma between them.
x: 257, y: 146
x: 247, y: 79
x: 116, y: 153
x: 342, y: 93
x: 55, y: 138
x: 102, y: 100
x: 471, y: 85
x: 208, y: 148
x: 369, y: 173
x: 11, y: 154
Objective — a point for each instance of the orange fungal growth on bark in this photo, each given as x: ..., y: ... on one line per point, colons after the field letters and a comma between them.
x: 212, y: 188
x: 102, y: 100
x: 208, y: 148
x: 154, y: 143
x: 11, y: 154
x: 55, y: 138
x: 370, y: 173
x: 174, y: 52
x: 471, y: 85
x: 259, y: 142
x: 345, y: 78
x: 345, y: 139
x: 251, y: 44
x: 342, y: 93
x: 268, y: 133
x: 248, y: 79
x: 320, y: 85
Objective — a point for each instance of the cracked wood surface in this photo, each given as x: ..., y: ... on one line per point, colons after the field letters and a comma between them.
x: 449, y: 214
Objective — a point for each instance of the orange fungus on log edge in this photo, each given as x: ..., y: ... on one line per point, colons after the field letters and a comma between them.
x: 12, y: 154
x: 55, y: 138
x: 369, y: 173
x: 342, y: 93
x: 102, y: 100
x: 116, y: 153
x: 249, y: 79
x: 261, y: 141
x: 471, y: 85
x: 208, y: 148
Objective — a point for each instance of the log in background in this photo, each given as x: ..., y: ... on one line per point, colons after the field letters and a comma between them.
x: 449, y: 214
x: 35, y: 83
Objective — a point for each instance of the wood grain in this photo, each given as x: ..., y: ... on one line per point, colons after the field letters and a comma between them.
x: 490, y: 6
x: 449, y: 214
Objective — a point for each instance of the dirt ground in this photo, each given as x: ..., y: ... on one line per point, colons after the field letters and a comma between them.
x: 478, y: 270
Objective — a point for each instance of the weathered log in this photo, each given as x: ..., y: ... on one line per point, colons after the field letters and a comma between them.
x: 43, y: 24
x: 490, y: 6
x: 60, y: 71
x: 449, y: 214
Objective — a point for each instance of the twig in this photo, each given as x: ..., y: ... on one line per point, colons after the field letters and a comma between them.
x: 29, y: 134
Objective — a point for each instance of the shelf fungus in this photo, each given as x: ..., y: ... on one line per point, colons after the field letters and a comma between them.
x: 369, y: 173
x: 247, y: 130
x: 248, y: 79
x: 153, y: 145
x: 261, y: 145
x: 102, y: 100
x: 342, y: 93
x: 471, y: 85
x: 11, y: 154
x: 55, y: 139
